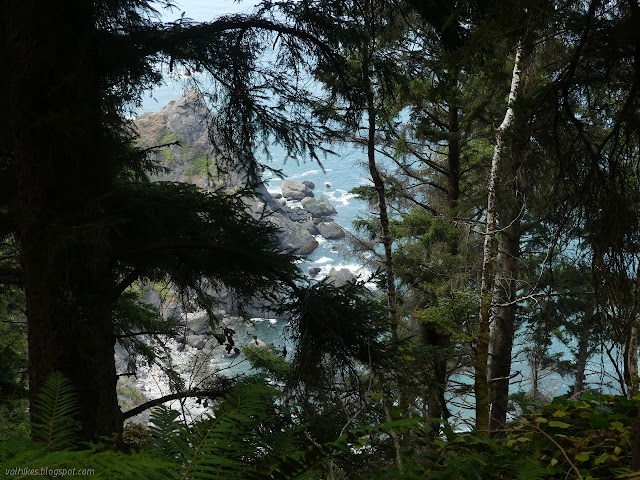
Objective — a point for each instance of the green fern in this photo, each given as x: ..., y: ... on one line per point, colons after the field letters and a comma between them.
x: 53, y: 420
x: 221, y: 446
x: 163, y: 429
x: 88, y: 464
x: 248, y: 436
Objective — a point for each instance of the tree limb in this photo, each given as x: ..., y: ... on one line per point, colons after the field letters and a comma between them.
x: 173, y: 396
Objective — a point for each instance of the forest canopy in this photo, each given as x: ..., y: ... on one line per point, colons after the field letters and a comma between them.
x: 502, y: 149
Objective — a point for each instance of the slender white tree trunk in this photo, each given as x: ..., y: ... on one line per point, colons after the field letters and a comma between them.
x: 482, y: 348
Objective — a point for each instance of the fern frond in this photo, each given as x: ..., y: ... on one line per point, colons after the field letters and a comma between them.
x: 221, y: 446
x: 12, y: 447
x: 90, y: 464
x: 164, y: 430
x: 53, y: 419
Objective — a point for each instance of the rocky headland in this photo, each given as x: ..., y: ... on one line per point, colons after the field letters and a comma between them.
x: 179, y: 137
x: 185, y: 155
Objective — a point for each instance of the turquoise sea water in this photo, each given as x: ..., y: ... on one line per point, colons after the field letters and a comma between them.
x: 343, y: 172
x: 334, y: 177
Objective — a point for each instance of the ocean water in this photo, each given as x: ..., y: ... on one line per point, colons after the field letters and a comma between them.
x: 334, y: 178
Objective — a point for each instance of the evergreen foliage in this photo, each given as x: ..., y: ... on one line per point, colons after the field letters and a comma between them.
x: 82, y: 230
x: 97, y: 224
x: 247, y: 435
x: 344, y: 323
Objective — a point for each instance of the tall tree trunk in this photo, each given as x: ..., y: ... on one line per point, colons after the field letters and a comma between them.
x: 503, y: 326
x: 481, y: 384
x: 62, y: 173
x: 435, y: 396
x: 631, y: 357
x: 378, y: 183
x: 503, y: 329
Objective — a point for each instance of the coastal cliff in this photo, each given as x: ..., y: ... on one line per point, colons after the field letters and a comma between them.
x: 185, y: 155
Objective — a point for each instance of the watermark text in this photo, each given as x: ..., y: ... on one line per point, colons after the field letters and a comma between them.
x: 50, y: 472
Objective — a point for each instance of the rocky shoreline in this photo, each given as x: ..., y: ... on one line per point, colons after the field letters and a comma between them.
x: 214, y: 344
x: 182, y: 127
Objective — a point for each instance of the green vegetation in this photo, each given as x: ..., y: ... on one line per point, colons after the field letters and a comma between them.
x: 201, y: 166
x: 246, y: 435
x: 502, y: 146
x: 166, y: 153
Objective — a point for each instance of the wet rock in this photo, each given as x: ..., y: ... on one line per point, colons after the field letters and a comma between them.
x: 297, y: 214
x: 186, y: 120
x: 257, y: 343
x: 152, y: 297
x: 314, y: 271
x: 309, y: 184
x: 198, y: 322
x: 210, y: 345
x: 318, y: 208
x: 331, y: 230
x: 311, y: 228
x: 294, y: 237
x: 341, y: 277
x: 196, y: 341
x: 292, y: 190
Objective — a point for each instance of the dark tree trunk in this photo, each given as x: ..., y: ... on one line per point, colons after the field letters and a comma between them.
x: 583, y: 355
x: 437, y: 406
x: 630, y: 352
x: 503, y: 326
x: 453, y: 179
x: 503, y: 329
x: 482, y: 382
x: 62, y: 173
x: 378, y: 183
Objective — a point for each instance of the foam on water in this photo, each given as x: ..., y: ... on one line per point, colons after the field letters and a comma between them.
x: 315, y: 171
x: 261, y: 319
x: 339, y: 195
x: 189, y: 362
x: 320, y: 239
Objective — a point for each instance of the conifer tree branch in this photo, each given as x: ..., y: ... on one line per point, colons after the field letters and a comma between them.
x: 152, y: 41
x: 173, y: 396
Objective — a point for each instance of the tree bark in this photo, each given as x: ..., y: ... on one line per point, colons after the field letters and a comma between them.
x: 378, y: 181
x: 503, y: 326
x: 503, y: 330
x: 481, y: 384
x: 437, y: 405
x: 631, y: 357
x: 62, y: 172
x: 583, y: 355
